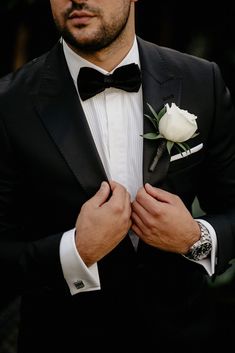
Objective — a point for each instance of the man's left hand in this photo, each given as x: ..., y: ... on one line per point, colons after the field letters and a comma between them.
x: 162, y: 220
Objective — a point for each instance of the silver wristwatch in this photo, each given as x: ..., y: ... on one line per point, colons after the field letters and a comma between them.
x: 202, y: 248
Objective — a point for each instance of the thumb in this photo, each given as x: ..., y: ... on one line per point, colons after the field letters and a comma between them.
x: 102, y: 194
x: 158, y: 194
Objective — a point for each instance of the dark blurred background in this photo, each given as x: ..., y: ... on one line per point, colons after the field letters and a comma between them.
x: 27, y: 31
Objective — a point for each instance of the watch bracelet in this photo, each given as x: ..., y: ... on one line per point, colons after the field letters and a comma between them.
x: 205, y: 237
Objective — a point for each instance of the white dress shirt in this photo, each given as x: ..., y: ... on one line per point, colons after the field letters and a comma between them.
x: 115, y: 118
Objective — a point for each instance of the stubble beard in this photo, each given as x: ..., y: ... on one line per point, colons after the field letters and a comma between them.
x: 104, y: 36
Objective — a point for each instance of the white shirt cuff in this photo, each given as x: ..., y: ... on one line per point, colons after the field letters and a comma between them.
x: 210, y: 262
x: 78, y: 276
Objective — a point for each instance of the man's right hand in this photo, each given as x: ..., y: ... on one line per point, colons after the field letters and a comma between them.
x: 103, y: 222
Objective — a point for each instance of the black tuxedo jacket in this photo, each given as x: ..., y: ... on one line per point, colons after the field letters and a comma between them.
x: 49, y: 167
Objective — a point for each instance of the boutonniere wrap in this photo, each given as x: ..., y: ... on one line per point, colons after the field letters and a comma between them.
x: 173, y: 127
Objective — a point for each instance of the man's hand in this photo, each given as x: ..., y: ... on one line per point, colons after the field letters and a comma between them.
x: 161, y: 220
x: 103, y: 222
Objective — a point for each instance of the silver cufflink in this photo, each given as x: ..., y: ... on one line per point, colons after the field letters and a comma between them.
x: 79, y: 284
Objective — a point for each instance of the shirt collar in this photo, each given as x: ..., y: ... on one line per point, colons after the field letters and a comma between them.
x: 75, y: 61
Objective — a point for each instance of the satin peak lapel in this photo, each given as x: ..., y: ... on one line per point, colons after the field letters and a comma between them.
x: 160, y: 86
x: 60, y: 110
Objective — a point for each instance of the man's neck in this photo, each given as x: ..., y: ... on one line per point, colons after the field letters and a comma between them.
x: 108, y: 58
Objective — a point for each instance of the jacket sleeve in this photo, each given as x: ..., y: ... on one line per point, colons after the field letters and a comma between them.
x: 216, y: 192
x: 24, y: 264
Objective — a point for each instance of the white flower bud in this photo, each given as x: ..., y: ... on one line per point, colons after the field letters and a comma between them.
x: 177, y: 125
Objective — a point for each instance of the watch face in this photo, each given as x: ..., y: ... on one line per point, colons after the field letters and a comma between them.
x: 202, y: 251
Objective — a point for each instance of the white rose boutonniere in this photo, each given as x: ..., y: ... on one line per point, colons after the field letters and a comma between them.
x: 174, y: 126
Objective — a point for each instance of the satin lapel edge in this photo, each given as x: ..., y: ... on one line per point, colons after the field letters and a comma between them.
x: 62, y: 115
x: 160, y: 86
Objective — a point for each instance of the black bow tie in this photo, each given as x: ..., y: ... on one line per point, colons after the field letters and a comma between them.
x: 91, y: 82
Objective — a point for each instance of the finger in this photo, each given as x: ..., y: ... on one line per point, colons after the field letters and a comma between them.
x: 102, y: 195
x: 148, y: 202
x: 119, y: 193
x: 148, y: 220
x: 158, y: 194
x: 137, y: 221
x: 138, y: 209
x: 137, y: 230
x: 128, y: 201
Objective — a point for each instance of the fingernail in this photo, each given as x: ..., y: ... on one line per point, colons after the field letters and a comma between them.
x: 103, y: 185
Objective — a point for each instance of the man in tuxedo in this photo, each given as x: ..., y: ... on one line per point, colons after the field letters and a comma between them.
x: 105, y: 252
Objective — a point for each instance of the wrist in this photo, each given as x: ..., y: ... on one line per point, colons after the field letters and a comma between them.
x: 201, y: 248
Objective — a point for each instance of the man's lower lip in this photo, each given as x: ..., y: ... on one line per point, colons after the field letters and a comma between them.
x: 81, y: 20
